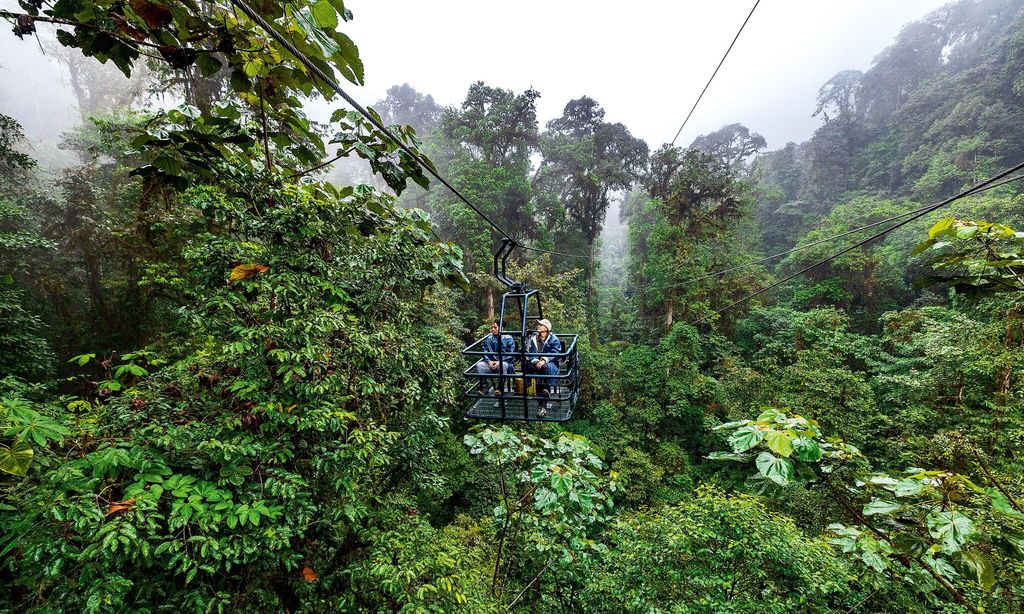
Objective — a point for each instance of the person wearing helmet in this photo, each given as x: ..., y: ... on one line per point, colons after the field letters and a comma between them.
x: 543, y: 342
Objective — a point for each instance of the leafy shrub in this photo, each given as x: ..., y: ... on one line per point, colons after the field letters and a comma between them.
x: 296, y: 428
x: 640, y: 478
x: 714, y: 553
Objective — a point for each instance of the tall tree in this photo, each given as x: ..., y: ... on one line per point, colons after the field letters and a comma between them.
x: 99, y: 87
x: 489, y: 139
x: 777, y: 177
x: 838, y: 97
x: 829, y: 150
x: 695, y: 205
x: 404, y: 105
x: 733, y: 144
x: 594, y: 159
x: 915, y: 56
x: 24, y: 351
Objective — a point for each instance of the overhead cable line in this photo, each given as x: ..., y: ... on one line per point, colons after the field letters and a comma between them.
x: 887, y: 220
x: 320, y: 74
x: 722, y: 61
x: 976, y: 188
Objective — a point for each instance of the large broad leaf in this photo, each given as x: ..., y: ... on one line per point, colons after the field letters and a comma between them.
x: 874, y: 560
x: 922, y: 246
x: 951, y: 529
x: 560, y: 483
x: 27, y: 424
x: 778, y: 470
x: 1002, y: 505
x: 745, y: 438
x: 732, y: 456
x: 907, y: 543
x: 806, y: 449
x: 878, y: 506
x: 16, y: 459
x: 1015, y: 542
x: 769, y: 414
x: 325, y: 14
x: 781, y: 442
x: 941, y: 226
x: 966, y: 232
x: 980, y: 567
x: 728, y: 426
x: 882, y: 480
x: 908, y: 487
x: 942, y: 566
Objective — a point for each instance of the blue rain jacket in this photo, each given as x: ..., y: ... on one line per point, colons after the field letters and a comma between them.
x: 550, y: 346
x: 508, y: 348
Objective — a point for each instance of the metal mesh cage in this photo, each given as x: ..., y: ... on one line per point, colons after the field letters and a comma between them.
x: 519, y: 394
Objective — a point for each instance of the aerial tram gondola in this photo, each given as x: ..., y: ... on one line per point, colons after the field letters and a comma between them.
x: 519, y: 395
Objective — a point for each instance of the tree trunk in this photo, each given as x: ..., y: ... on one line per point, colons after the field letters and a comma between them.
x: 76, y: 86
x: 590, y: 292
x: 590, y: 274
x: 94, y: 287
x: 490, y: 304
x: 669, y: 309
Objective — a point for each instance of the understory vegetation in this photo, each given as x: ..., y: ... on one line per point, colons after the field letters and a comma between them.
x: 230, y: 376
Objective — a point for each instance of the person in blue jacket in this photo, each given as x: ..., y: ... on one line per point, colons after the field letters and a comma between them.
x: 492, y: 361
x: 543, y: 342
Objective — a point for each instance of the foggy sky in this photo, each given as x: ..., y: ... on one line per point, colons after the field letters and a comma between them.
x: 644, y: 62
x: 35, y: 91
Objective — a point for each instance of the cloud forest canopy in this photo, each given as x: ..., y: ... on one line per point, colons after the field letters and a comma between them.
x: 229, y: 335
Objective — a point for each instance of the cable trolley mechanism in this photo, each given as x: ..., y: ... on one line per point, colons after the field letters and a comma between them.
x: 537, y: 377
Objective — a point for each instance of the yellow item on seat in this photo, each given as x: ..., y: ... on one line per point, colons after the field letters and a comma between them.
x: 532, y: 390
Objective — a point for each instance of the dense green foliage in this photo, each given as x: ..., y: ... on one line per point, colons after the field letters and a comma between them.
x: 714, y: 553
x: 227, y: 383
